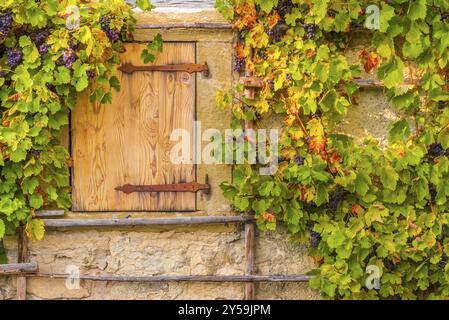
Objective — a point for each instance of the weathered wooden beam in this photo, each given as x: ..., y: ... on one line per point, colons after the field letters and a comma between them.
x: 49, y: 214
x: 369, y: 83
x: 18, y: 268
x: 185, y: 25
x: 22, y: 258
x: 249, y: 255
x: 135, y: 222
x: 179, y: 278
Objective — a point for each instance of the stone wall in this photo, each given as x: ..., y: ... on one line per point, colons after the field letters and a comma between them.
x: 204, y: 250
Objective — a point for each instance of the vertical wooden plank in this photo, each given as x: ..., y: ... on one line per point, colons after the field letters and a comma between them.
x: 249, y: 255
x: 22, y: 257
x: 129, y: 140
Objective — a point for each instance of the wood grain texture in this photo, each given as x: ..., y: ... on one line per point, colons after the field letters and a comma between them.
x: 249, y: 257
x: 22, y: 247
x: 128, y: 142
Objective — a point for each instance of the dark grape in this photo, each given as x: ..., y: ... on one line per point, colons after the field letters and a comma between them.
x: 334, y: 200
x: 239, y: 64
x: 50, y: 87
x: 395, y: 231
x: 91, y: 74
x: 5, y: 19
x: 41, y: 36
x: 35, y: 153
x: 433, y: 192
x: 258, y: 116
x: 14, y: 57
x: 5, y: 23
x: 277, y: 32
x: 299, y: 160
x: 2, y: 73
x: 436, y: 150
x: 310, y: 30
x: 315, y: 238
x: 410, y: 239
x: 442, y: 105
x: 263, y: 55
x: 68, y: 58
x: 442, y: 263
x: 284, y: 7
x: 288, y: 76
x: 43, y: 48
x: 317, y: 114
x: 113, y: 34
x: 444, y: 16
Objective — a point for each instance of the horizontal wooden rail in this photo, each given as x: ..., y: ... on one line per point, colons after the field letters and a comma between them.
x: 97, y: 223
x: 180, y: 278
x: 185, y: 25
x: 18, y: 268
x: 49, y: 214
x: 368, y: 83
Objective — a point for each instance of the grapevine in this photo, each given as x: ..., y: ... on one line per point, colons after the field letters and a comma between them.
x: 45, y: 62
x: 353, y: 204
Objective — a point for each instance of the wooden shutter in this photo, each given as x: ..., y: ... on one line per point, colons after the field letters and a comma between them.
x: 128, y: 142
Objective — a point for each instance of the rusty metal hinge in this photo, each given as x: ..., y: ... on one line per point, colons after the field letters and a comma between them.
x: 177, y: 187
x: 183, y: 67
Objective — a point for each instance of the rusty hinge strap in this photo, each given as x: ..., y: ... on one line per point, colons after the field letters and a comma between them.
x: 184, y: 67
x: 176, y: 187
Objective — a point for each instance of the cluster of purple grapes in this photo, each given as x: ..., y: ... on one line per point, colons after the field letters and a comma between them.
x: 436, y: 150
x: 68, y: 58
x: 41, y: 36
x: 299, y: 160
x: 5, y: 23
x: 15, y: 57
x: 91, y: 74
x: 310, y: 30
x: 113, y: 34
x: 40, y: 39
x: 335, y: 199
x: 277, y: 32
x: 284, y: 7
x: 315, y: 238
x: 239, y: 64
